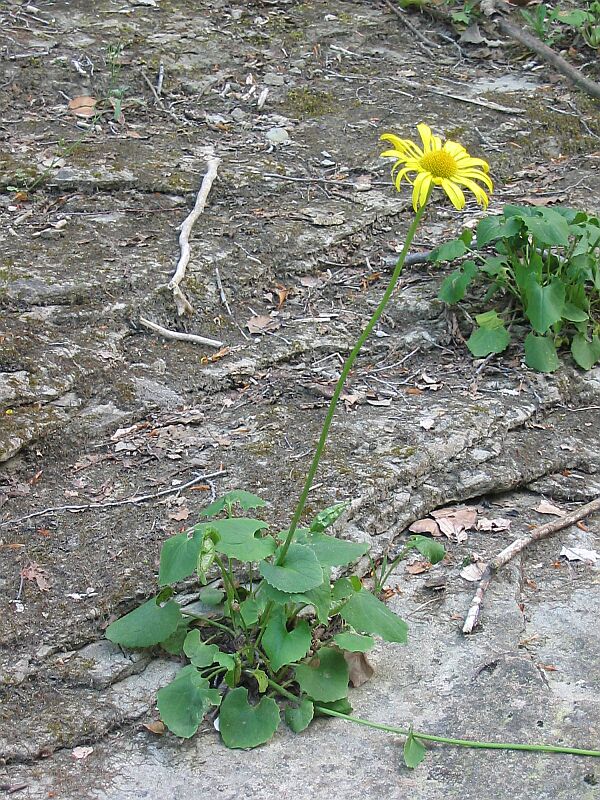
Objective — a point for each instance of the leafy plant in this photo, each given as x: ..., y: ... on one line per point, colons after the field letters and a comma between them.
x: 550, y: 24
x: 584, y: 21
x: 432, y: 550
x: 547, y: 262
x: 270, y: 628
x: 541, y: 21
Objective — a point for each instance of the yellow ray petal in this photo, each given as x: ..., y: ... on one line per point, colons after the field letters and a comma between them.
x: 455, y: 194
x: 480, y: 195
x: 421, y: 189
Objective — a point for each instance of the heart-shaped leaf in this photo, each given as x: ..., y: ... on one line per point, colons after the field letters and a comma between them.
x: 414, y: 751
x: 540, y: 353
x: 184, y: 702
x: 325, y: 677
x: 174, y: 643
x: 243, y: 725
x: 365, y: 613
x: 544, y: 304
x: 179, y: 556
x: 490, y: 337
x: 200, y: 654
x: 330, y: 551
x: 585, y: 353
x: 448, y: 251
x: 455, y: 285
x: 353, y: 642
x: 299, y: 717
x: 236, y: 539
x: 283, y: 646
x: 146, y: 625
x: 300, y: 570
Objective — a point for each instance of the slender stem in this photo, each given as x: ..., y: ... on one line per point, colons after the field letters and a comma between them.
x: 534, y: 748
x: 342, y: 380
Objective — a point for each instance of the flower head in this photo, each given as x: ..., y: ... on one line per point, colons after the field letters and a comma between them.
x: 448, y: 165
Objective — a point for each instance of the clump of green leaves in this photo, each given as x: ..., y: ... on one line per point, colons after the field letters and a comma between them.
x: 264, y: 634
x: 546, y: 264
x: 553, y: 24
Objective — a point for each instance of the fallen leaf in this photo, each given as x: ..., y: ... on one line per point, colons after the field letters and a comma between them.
x: 427, y: 423
x: 156, y: 727
x: 547, y: 508
x: 359, y: 669
x: 80, y: 753
x: 425, y: 526
x: 580, y: 554
x: 310, y: 281
x: 454, y: 522
x: 382, y: 402
x: 83, y: 106
x: 262, y: 323
x: 418, y: 567
x: 350, y: 400
x: 473, y: 572
x: 282, y: 294
x: 472, y: 35
x: 181, y: 514
x: 33, y: 572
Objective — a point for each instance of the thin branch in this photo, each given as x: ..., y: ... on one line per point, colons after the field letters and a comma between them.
x: 112, y: 503
x: 182, y: 303
x: 548, y: 55
x: 543, y: 532
x: 179, y: 335
x: 415, y: 31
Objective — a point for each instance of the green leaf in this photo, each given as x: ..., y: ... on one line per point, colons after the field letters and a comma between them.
x: 585, y: 353
x: 300, y: 570
x: 147, y: 625
x: 414, y: 751
x: 249, y: 611
x: 299, y: 717
x: 540, y: 353
x: 573, y: 313
x: 184, y: 702
x: 243, y: 725
x: 432, y: 550
x: 365, y: 613
x: 488, y: 229
x: 467, y: 236
x: 341, y: 706
x: 325, y: 677
x: 448, y: 251
x: 319, y: 598
x: 346, y: 587
x: 354, y: 642
x: 283, y: 646
x: 455, y: 285
x: 549, y: 228
x: 544, y: 304
x: 237, y: 539
x: 200, y: 654
x: 179, y: 556
x: 490, y: 337
x: 211, y: 596
x: 245, y: 500
x: 206, y: 558
x: 173, y: 644
x: 262, y: 680
x: 330, y: 551
x: 328, y: 516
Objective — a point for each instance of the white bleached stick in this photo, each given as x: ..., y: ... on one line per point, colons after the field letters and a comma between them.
x: 181, y: 301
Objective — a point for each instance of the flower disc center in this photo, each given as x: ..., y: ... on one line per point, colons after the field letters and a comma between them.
x: 439, y: 164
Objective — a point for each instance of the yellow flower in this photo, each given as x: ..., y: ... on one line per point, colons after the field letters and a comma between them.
x: 448, y: 165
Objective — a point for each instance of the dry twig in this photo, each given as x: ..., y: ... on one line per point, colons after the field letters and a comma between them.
x: 179, y: 335
x: 543, y: 532
x: 402, y: 16
x: 181, y: 301
x: 112, y: 503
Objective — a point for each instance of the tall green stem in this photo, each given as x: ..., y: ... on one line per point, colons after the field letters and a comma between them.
x: 342, y: 380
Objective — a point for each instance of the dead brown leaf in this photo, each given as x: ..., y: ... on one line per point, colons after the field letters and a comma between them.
x: 156, y: 727
x: 548, y: 508
x: 496, y: 524
x: 454, y: 522
x: 262, y: 323
x: 359, y: 669
x: 83, y: 106
x: 33, y: 572
x: 181, y: 514
x: 473, y: 572
x: 425, y: 526
x: 418, y: 567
